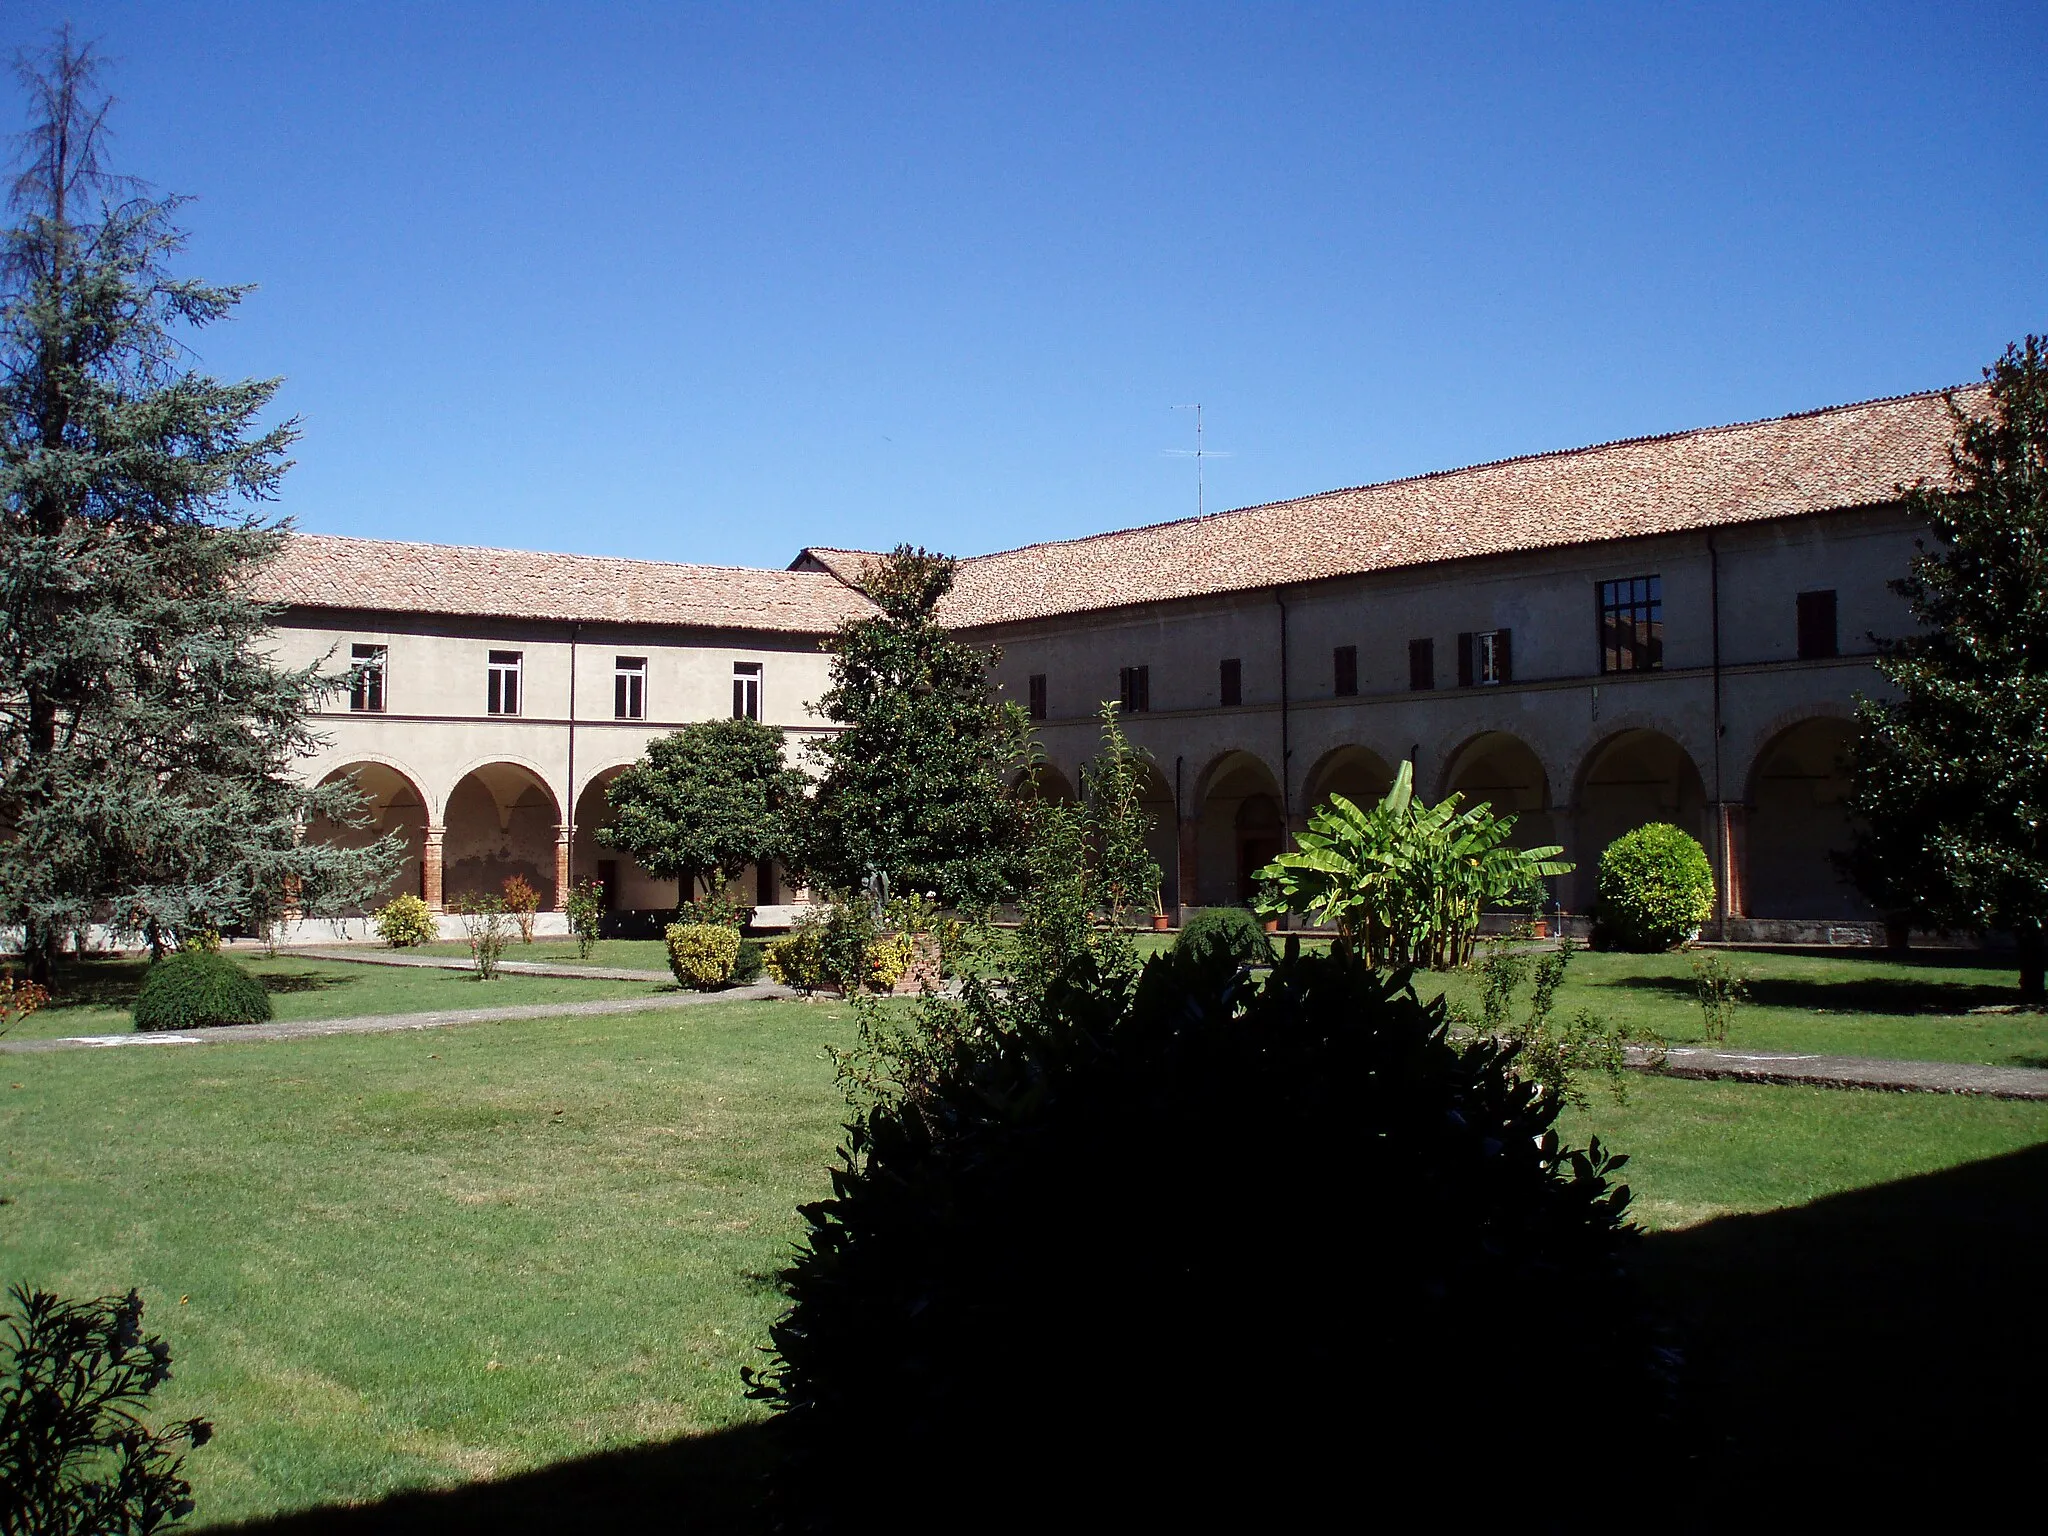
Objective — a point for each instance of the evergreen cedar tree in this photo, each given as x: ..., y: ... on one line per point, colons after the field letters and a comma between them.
x: 705, y: 802
x: 916, y: 787
x: 147, y: 743
x: 1163, y: 1250
x: 1951, y: 777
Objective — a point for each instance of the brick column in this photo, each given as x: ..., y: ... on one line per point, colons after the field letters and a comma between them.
x: 561, y: 869
x: 1190, y: 864
x: 430, y: 867
x: 1732, y: 833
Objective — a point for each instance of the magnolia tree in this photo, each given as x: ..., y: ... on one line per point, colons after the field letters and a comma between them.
x: 1404, y: 883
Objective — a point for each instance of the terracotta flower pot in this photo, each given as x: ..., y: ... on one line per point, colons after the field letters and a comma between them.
x: 1160, y: 922
x: 1272, y: 925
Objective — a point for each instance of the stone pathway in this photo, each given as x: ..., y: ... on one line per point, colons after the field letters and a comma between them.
x: 509, y: 967
x: 384, y: 1023
x: 1843, y: 1072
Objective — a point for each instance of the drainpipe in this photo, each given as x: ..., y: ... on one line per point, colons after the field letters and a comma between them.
x: 1720, y: 809
x: 1286, y: 747
x: 569, y: 815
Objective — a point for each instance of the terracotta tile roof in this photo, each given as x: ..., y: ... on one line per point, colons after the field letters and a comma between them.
x: 324, y: 571
x: 1845, y: 456
x: 846, y: 564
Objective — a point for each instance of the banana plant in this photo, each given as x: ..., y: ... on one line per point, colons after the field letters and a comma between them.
x: 1404, y: 883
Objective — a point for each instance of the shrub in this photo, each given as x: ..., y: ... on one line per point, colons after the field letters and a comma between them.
x: 523, y: 902
x: 1720, y: 989
x: 405, y: 921
x: 1656, y: 889
x: 1229, y: 933
x: 585, y: 909
x: 19, y: 999
x: 1030, y: 1262
x: 702, y: 955
x: 888, y: 958
x: 716, y: 907
x: 746, y: 965
x: 75, y: 1455
x: 797, y: 959
x: 484, y: 924
x: 197, y: 989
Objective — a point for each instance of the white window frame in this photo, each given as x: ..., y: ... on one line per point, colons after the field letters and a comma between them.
x: 629, y: 687
x: 371, y: 664
x: 747, y: 678
x: 503, y: 689
x: 1486, y: 658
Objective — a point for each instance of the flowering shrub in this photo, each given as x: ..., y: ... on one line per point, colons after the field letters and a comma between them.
x: 405, y: 921
x: 522, y: 901
x: 19, y: 999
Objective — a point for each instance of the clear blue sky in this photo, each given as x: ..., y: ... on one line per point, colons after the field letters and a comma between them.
x: 711, y: 283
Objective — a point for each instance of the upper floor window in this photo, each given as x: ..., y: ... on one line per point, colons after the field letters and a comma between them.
x: 366, y: 677
x: 502, y: 695
x: 1421, y: 665
x: 1817, y: 636
x: 746, y: 690
x: 629, y: 688
x: 1036, y: 688
x: 1137, y: 690
x: 1632, y: 624
x: 1344, y: 665
x: 1485, y: 657
x: 1230, y: 682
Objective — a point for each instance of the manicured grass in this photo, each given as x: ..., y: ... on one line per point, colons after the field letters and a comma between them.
x: 425, y: 1259
x: 632, y: 954
x: 428, y: 1258
x: 1838, y: 1005
x: 93, y: 996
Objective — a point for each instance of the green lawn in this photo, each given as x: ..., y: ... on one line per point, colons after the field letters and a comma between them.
x: 1841, y: 1005
x: 634, y: 954
x: 93, y: 996
x: 425, y: 1259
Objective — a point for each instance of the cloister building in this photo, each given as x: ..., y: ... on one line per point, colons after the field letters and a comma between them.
x: 1672, y: 628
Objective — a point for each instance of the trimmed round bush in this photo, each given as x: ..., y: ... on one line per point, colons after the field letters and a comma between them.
x: 1190, y: 1245
x: 405, y: 921
x: 702, y: 955
x: 1656, y: 889
x: 1229, y: 933
x: 197, y: 989
x: 797, y: 959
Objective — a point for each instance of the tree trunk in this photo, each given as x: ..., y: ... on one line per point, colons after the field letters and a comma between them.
x: 2033, y: 963
x: 1898, y: 934
x: 39, y: 949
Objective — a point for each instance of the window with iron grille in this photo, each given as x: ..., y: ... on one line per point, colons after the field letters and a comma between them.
x: 1421, y: 665
x: 1230, y: 682
x: 1344, y: 663
x: 746, y: 690
x: 1632, y: 624
x: 1817, y: 636
x: 366, y: 677
x: 1137, y: 690
x: 502, y: 696
x: 1036, y: 688
x: 629, y: 688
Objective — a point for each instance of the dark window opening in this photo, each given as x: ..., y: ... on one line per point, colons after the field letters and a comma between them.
x: 1817, y: 634
x: 1632, y: 624
x: 1137, y: 690
x: 502, y: 695
x: 1485, y: 658
x: 629, y: 688
x: 1421, y: 665
x: 1344, y: 660
x: 366, y: 677
x: 1036, y: 687
x: 1231, y: 682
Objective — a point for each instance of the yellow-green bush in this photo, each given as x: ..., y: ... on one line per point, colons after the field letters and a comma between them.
x: 702, y: 954
x: 797, y: 959
x: 1656, y: 889
x: 405, y: 921
x: 888, y: 959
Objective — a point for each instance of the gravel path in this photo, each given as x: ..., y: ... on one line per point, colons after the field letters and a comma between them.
x: 383, y: 1023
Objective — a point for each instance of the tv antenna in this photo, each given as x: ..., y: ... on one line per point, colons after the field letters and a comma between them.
x: 1199, y: 452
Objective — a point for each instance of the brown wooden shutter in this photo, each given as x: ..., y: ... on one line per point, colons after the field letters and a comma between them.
x: 1421, y: 665
x: 1465, y: 659
x: 1504, y: 655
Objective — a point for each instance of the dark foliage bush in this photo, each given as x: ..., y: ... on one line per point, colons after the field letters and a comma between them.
x: 193, y: 989
x: 1226, y: 932
x: 1201, y: 1246
x: 746, y: 968
x: 76, y: 1459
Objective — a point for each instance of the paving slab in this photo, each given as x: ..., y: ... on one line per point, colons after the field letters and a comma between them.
x: 384, y: 1023
x: 1843, y: 1072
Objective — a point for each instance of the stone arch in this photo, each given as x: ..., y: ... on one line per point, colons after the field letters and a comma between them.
x: 1630, y: 778
x: 1504, y: 771
x: 1163, y: 838
x: 1359, y: 774
x: 1796, y: 816
x: 397, y: 804
x: 1045, y: 781
x: 1241, y: 826
x: 502, y: 819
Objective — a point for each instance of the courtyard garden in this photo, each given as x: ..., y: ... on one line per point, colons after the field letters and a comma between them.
x: 447, y: 1258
